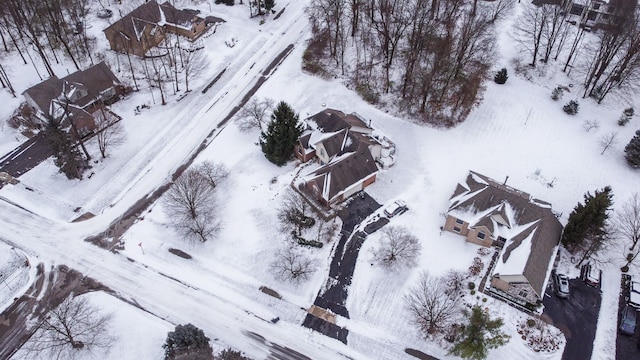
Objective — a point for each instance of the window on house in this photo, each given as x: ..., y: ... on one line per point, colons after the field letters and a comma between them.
x: 481, y: 235
x: 523, y: 293
x: 459, y: 221
x: 456, y: 229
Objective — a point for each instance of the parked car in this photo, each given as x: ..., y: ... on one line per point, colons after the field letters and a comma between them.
x: 628, y: 320
x: 562, y: 285
x: 398, y: 207
x: 591, y: 276
x: 634, y: 294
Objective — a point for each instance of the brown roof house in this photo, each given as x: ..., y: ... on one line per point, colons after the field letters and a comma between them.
x: 348, y: 151
x: 81, y: 94
x: 526, y: 231
x: 147, y: 25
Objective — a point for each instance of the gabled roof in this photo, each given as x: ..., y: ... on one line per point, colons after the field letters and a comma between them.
x: 153, y: 14
x: 92, y: 80
x: 331, y: 120
x: 342, y: 173
x: 481, y: 197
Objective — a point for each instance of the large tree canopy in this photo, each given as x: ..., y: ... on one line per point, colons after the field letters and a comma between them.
x: 282, y: 133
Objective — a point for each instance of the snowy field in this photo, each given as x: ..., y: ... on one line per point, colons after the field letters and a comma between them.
x: 518, y: 131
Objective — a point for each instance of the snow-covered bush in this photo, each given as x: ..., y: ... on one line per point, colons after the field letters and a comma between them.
x: 557, y: 93
x: 571, y: 107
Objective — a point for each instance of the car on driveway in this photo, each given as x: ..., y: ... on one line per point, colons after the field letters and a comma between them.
x: 591, y: 276
x: 398, y: 207
x: 628, y: 320
x: 562, y: 285
x: 634, y: 294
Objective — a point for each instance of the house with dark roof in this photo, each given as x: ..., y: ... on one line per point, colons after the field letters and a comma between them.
x: 147, y: 25
x: 524, y: 229
x: 348, y: 151
x: 80, y: 95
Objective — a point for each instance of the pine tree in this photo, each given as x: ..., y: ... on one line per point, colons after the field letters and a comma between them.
x: 67, y: 156
x: 557, y: 93
x: 269, y: 4
x: 587, y: 222
x: 187, y: 342
x: 632, y: 151
x: 501, y: 76
x: 571, y: 107
x: 479, y: 335
x: 282, y: 133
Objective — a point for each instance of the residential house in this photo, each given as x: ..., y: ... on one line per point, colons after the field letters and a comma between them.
x: 602, y: 14
x: 80, y: 95
x: 525, y: 230
x: 146, y: 26
x: 348, y: 151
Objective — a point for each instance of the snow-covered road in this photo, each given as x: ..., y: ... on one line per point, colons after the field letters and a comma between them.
x: 213, y: 304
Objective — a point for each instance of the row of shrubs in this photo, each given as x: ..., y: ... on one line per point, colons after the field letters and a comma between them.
x: 304, y: 242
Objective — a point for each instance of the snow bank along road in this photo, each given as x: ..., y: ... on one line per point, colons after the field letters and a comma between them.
x: 55, y: 242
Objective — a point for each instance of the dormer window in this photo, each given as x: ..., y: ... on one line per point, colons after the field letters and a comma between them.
x: 481, y: 235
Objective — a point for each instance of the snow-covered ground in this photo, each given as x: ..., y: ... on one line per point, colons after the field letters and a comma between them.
x: 517, y: 131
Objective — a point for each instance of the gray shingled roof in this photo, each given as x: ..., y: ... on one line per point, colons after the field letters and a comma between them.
x: 527, y: 210
x: 148, y: 14
x: 94, y: 80
x: 332, y: 120
x: 344, y: 172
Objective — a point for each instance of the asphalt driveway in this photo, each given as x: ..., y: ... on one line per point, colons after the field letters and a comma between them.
x: 576, y: 316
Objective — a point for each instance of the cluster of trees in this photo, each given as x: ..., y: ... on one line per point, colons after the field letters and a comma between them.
x: 431, y: 55
x: 190, y: 201
x: 611, y: 63
x: 44, y: 32
x: 436, y: 306
x: 187, y: 342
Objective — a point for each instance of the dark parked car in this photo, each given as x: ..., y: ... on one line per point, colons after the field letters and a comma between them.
x: 562, y: 285
x: 628, y: 320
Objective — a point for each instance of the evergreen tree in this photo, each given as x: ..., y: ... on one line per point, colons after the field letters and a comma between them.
x: 501, y: 76
x: 626, y: 116
x: 571, y: 107
x: 269, y: 4
x: 479, y: 335
x: 632, y: 151
x: 587, y: 222
x: 187, y: 342
x: 67, y: 156
x: 557, y: 93
x: 282, y: 133
x: 230, y: 354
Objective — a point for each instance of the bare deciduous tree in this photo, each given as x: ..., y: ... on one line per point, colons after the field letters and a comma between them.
x: 109, y: 130
x: 433, y: 309
x: 292, y: 264
x: 587, y: 125
x: 70, y: 330
x: 398, y: 247
x: 193, y: 61
x: 214, y: 173
x: 293, y: 213
x: 191, y: 206
x: 252, y: 115
x: 626, y: 222
x: 454, y: 279
x: 607, y: 141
